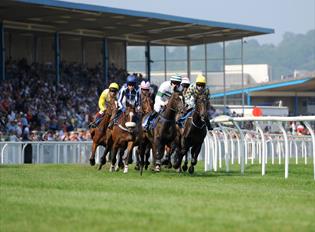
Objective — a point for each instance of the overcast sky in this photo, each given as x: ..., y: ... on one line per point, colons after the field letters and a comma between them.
x: 297, y: 16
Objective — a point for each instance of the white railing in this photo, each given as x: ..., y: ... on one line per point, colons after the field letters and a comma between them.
x: 229, y: 144
x: 248, y: 145
x: 47, y: 152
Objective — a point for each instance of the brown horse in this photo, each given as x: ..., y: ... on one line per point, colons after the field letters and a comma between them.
x: 122, y: 136
x: 193, y: 135
x: 165, y: 131
x: 98, y: 134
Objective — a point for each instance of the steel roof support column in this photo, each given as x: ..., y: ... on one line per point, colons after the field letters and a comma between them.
x: 224, y: 81
x: 2, y: 55
x: 188, y: 62
x: 248, y: 100
x: 148, y: 60
x: 125, y: 45
x: 57, y: 56
x: 242, y: 66
x: 105, y: 60
x: 165, y: 64
x: 82, y: 51
x: 206, y: 63
x: 34, y: 48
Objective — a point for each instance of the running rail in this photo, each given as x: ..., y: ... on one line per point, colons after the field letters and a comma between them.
x: 235, y: 121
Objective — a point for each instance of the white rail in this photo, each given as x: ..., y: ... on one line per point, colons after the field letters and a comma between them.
x: 253, y: 143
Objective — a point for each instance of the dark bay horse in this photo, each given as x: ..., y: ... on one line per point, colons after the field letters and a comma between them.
x: 164, y: 134
x: 98, y: 134
x: 121, y: 137
x: 193, y: 134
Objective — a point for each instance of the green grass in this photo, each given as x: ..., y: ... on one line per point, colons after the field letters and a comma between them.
x: 80, y: 198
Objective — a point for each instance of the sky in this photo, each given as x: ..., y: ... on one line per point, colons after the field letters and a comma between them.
x: 297, y: 16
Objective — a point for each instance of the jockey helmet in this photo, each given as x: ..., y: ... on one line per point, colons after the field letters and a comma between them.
x: 114, y: 86
x: 176, y: 78
x: 131, y: 79
x: 145, y: 85
x: 185, y: 80
x: 201, y: 79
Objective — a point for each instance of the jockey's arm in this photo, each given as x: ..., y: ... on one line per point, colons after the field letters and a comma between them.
x: 121, y: 95
x: 102, y: 100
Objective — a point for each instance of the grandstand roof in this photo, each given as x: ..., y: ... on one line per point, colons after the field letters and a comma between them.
x: 137, y: 26
x: 287, y: 86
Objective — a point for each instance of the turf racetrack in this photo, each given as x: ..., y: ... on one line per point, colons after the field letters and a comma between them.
x: 80, y: 198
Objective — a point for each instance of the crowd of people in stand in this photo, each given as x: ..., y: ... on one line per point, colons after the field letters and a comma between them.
x: 34, y: 107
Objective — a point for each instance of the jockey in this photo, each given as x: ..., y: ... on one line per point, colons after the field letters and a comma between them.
x: 194, y: 90
x: 145, y: 86
x: 106, y: 96
x: 163, y: 95
x: 128, y: 93
x: 185, y: 84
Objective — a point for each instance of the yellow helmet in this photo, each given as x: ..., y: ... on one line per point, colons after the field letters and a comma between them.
x: 201, y: 79
x: 114, y: 86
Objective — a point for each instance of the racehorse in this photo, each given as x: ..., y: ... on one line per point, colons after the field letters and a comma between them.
x: 122, y: 136
x: 164, y: 132
x: 98, y: 134
x: 194, y: 132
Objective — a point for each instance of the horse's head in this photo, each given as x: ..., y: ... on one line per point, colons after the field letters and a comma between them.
x: 176, y: 102
x: 201, y: 103
x: 129, y: 118
x: 111, y: 106
x: 146, y: 103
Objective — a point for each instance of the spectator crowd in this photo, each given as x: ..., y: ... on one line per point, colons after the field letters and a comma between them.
x: 34, y: 107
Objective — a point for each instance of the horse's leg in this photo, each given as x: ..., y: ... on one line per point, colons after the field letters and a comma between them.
x: 92, y: 156
x: 129, y: 153
x: 120, y: 158
x: 159, y: 156
x: 140, y: 156
x: 103, y: 158
x: 194, y: 157
x: 147, y: 156
x: 138, y: 159
x: 185, y: 166
x: 113, y: 157
x: 178, y: 158
x: 167, y: 157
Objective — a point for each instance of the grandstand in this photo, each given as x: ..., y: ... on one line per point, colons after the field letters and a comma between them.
x: 57, y: 56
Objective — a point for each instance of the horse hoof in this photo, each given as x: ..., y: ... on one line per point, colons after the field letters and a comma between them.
x: 146, y: 167
x: 103, y: 161
x: 191, y: 169
x: 92, y: 162
x: 157, y: 168
x: 179, y: 170
x: 184, y: 168
x: 126, y: 169
x: 112, y: 168
x: 116, y: 168
x: 137, y: 167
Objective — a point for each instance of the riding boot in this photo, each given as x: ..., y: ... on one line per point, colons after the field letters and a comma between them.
x: 114, y: 120
x: 208, y: 124
x: 151, y: 117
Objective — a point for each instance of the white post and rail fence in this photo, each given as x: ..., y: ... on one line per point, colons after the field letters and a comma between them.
x: 227, y: 143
